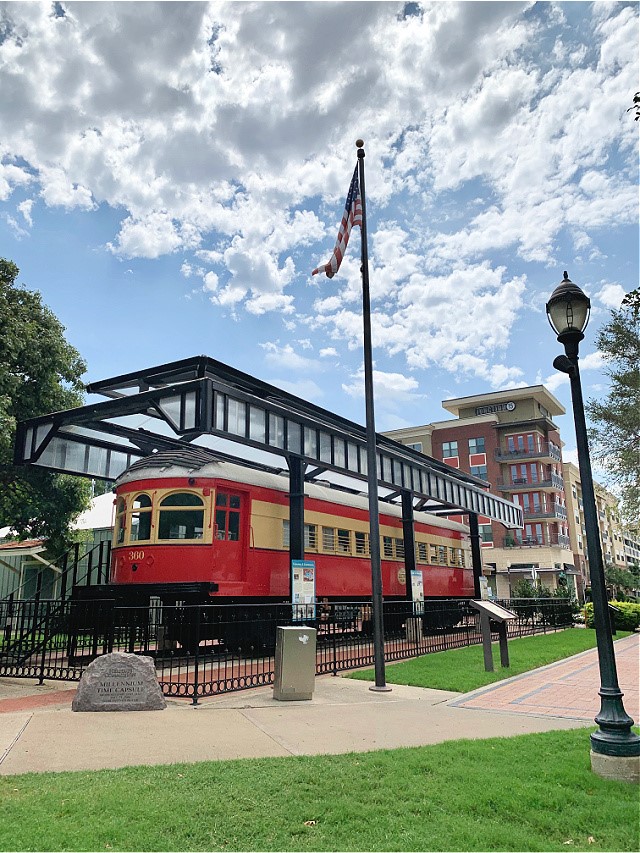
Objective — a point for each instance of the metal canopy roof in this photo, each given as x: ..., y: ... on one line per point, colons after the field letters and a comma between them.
x: 199, y: 397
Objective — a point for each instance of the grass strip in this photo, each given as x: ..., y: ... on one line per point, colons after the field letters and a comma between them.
x: 531, y: 792
x: 462, y: 670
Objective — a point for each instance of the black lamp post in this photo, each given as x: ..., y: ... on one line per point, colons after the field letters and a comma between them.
x: 568, y: 313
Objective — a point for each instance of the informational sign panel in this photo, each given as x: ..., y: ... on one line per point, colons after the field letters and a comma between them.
x: 417, y: 592
x: 493, y: 610
x: 303, y: 573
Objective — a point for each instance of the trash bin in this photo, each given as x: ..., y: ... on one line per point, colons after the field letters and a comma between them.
x: 295, y: 665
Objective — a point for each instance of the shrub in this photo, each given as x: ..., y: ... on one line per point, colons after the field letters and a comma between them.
x: 627, y: 619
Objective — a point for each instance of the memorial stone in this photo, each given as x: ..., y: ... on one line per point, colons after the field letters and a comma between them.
x: 119, y: 682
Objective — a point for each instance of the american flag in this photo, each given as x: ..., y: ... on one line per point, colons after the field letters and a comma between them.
x: 352, y: 216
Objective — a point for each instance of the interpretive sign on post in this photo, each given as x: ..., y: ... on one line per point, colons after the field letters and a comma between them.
x: 304, y: 589
x: 119, y: 682
x: 492, y: 612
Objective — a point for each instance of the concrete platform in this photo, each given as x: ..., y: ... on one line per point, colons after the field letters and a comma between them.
x: 39, y: 732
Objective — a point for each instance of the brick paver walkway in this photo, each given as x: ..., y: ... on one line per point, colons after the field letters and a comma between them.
x: 568, y: 688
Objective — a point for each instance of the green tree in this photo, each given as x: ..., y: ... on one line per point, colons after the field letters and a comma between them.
x: 621, y: 581
x: 39, y: 373
x: 615, y: 432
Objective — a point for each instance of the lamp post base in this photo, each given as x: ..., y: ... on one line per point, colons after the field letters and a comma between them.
x: 625, y: 768
x: 384, y: 688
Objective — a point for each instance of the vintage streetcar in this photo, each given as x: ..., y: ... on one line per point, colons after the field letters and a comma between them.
x: 193, y: 533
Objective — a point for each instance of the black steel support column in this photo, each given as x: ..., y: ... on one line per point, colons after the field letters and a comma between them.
x: 296, y: 513
x: 476, y: 552
x: 409, y: 540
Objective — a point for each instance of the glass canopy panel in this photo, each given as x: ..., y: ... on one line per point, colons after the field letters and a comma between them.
x: 325, y: 447
x: 170, y: 408
x: 118, y: 464
x: 190, y: 410
x: 294, y: 437
x: 97, y: 461
x: 236, y: 414
x: 352, y: 457
x: 310, y: 448
x: 257, y: 429
x: 276, y: 431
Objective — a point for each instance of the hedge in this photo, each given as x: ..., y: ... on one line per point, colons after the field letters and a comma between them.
x: 627, y: 619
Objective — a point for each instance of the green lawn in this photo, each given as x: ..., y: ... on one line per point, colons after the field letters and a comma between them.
x: 532, y: 792
x: 462, y: 669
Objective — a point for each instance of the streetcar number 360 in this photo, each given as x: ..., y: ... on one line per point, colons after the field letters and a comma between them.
x: 136, y: 555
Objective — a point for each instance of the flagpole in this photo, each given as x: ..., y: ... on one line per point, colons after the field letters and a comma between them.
x: 372, y: 462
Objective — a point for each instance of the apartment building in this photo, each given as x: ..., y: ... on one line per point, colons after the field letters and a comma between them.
x: 510, y: 439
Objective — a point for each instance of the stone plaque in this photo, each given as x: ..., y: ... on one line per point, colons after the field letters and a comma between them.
x: 119, y: 682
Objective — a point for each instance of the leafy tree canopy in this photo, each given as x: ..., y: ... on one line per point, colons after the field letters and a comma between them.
x: 39, y: 373
x: 615, y: 434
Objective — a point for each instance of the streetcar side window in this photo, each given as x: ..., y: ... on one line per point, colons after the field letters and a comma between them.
x: 181, y: 516
x: 362, y: 543
x: 387, y: 546
x: 421, y: 548
x: 328, y: 539
x: 344, y: 541
x: 310, y: 536
x: 140, y: 527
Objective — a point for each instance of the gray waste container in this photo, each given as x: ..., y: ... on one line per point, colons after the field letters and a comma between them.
x: 295, y: 668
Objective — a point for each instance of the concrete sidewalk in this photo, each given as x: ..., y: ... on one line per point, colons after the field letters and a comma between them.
x: 39, y: 732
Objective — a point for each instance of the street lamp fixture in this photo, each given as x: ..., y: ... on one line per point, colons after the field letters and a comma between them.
x: 615, y: 748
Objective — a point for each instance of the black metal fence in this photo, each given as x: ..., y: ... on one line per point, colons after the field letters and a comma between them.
x: 204, y: 650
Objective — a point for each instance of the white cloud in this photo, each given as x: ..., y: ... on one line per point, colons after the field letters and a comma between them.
x: 592, y: 361
x: 306, y: 388
x: 286, y: 356
x: 386, y: 386
x: 496, y: 135
x: 150, y: 237
x: 611, y: 295
x: 25, y: 208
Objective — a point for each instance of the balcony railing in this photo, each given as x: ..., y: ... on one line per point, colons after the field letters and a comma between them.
x: 553, y: 511
x: 546, y: 451
x: 518, y: 484
x: 542, y: 541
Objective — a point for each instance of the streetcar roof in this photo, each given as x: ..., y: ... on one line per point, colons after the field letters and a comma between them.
x: 165, y: 465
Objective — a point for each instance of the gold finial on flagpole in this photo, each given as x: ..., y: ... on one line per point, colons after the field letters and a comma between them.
x: 359, y: 143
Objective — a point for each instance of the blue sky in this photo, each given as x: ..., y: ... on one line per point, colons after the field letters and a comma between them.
x: 171, y: 173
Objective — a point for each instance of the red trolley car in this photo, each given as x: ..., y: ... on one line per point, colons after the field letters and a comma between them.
x: 225, y: 528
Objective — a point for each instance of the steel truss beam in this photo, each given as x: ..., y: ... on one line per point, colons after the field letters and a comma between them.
x: 203, y: 397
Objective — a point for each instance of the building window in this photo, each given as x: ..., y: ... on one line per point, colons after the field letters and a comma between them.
x: 486, y: 533
x: 449, y: 448
x: 416, y: 445
x: 479, y: 471
x: 476, y: 445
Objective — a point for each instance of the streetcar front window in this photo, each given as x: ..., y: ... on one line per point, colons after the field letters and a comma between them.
x: 121, y: 520
x: 140, y: 528
x: 180, y: 518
